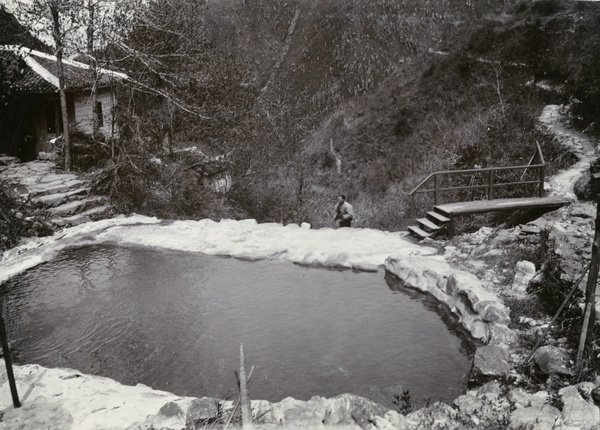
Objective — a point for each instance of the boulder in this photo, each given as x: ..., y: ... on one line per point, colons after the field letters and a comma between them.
x: 552, y: 360
x: 490, y: 391
x: 577, y: 412
x: 437, y: 416
x: 468, y: 404
x: 522, y: 399
x: 290, y: 410
x: 524, y: 272
x: 586, y: 187
x: 347, y: 409
x: 585, y: 211
x: 595, y: 394
x: 397, y: 420
x: 501, y: 334
x: 478, y: 329
x: 495, y: 313
x: 490, y: 362
x: 201, y: 412
x: 544, y: 417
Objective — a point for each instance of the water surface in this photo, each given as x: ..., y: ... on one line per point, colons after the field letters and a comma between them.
x: 175, y: 321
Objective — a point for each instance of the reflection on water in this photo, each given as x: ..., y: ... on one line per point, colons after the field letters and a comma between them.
x: 174, y: 321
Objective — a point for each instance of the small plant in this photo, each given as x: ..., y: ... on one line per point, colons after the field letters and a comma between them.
x: 402, y: 402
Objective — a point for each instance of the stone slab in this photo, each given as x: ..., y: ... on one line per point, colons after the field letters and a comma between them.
x: 55, y: 187
x: 73, y: 207
x: 59, y: 198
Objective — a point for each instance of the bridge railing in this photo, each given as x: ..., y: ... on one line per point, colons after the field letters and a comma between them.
x: 490, y: 179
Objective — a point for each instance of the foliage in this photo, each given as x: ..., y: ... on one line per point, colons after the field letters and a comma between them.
x: 169, y: 187
x: 366, y: 98
x: 402, y: 402
x: 18, y: 220
x: 14, y: 33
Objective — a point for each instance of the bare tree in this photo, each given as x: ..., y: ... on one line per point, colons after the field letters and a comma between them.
x: 91, y: 26
x: 53, y: 21
x: 54, y: 9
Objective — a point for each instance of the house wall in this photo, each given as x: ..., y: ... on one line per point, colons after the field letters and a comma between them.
x: 84, y: 111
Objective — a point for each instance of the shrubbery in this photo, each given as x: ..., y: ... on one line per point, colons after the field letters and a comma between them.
x: 304, y: 121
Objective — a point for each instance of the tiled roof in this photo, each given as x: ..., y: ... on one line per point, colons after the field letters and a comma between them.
x: 41, y: 72
x: 77, y: 75
x: 27, y: 81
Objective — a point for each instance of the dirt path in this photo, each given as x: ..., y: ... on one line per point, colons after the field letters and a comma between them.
x: 555, y: 119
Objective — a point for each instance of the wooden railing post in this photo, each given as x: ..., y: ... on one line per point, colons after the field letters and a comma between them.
x: 438, y: 187
x: 8, y: 362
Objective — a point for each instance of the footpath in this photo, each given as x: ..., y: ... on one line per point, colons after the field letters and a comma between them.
x: 63, y: 198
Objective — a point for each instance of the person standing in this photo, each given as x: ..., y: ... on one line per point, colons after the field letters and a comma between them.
x: 343, y: 212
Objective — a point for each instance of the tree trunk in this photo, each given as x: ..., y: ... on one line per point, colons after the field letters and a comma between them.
x: 57, y: 35
x: 94, y: 66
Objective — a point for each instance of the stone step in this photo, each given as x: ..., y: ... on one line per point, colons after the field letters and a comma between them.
x: 54, y: 187
x: 71, y: 221
x: 6, y: 160
x: 418, y: 232
x: 427, y: 225
x: 52, y: 200
x: 89, y: 215
x: 97, y: 212
x: 74, y: 207
x: 438, y: 217
x: 57, y: 177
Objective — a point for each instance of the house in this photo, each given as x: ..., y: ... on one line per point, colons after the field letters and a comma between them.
x: 31, y: 116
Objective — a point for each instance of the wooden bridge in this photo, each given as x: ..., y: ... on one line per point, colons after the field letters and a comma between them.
x: 480, y: 191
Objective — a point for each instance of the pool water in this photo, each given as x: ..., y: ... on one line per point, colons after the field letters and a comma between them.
x: 175, y: 321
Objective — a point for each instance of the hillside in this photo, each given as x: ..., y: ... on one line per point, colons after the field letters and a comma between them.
x: 309, y: 99
x: 315, y: 98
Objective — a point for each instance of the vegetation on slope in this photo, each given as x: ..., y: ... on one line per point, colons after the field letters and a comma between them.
x: 310, y: 99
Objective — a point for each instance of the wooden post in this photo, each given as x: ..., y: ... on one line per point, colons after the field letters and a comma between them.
x: 8, y: 362
x: 542, y: 179
x: 491, y: 185
x: 582, y: 338
x: 554, y: 318
x: 436, y: 198
x: 592, y: 281
x: 237, y: 403
x: 246, y: 409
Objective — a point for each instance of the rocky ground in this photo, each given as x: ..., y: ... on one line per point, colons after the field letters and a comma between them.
x: 477, y: 275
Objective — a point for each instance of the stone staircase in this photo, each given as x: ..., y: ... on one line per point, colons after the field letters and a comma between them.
x: 434, y: 223
x: 65, y: 197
